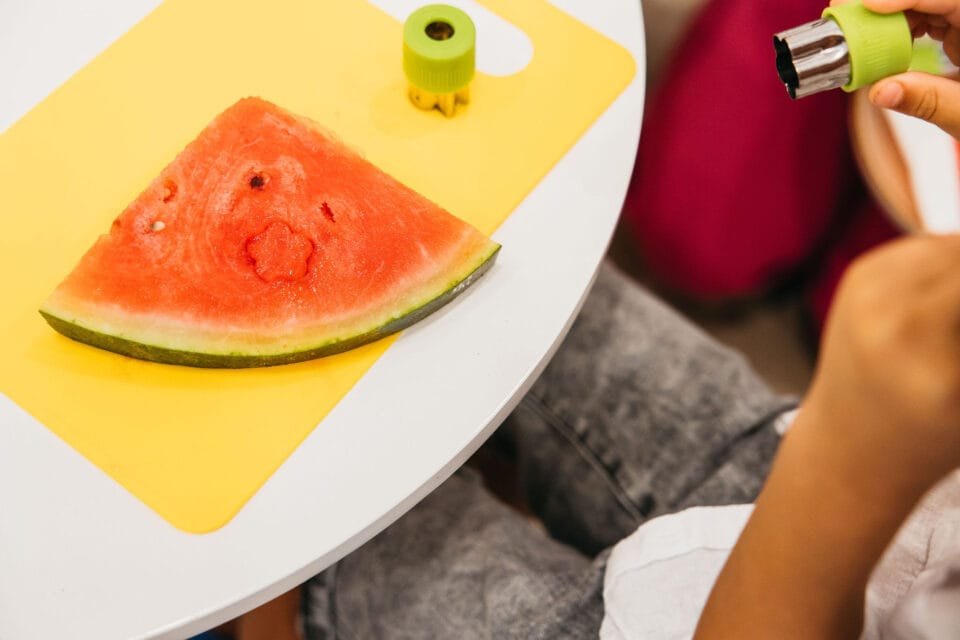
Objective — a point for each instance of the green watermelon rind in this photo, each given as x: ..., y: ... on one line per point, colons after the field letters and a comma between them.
x: 165, y: 355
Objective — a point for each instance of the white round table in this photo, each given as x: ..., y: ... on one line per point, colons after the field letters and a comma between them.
x: 82, y: 558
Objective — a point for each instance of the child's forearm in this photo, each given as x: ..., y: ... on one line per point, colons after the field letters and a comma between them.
x: 880, y: 425
x: 801, y: 565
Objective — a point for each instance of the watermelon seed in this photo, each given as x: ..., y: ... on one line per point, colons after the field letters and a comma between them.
x: 157, y: 226
x: 259, y: 180
x: 169, y: 190
x: 327, y: 212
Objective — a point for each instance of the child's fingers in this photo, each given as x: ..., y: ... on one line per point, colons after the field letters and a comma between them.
x: 918, y: 31
x: 921, y: 14
x: 951, y: 46
x: 932, y: 98
x: 945, y: 8
x: 948, y: 286
x: 934, y: 270
x: 918, y: 23
x: 935, y: 12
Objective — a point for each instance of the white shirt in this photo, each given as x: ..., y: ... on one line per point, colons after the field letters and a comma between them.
x: 658, y: 579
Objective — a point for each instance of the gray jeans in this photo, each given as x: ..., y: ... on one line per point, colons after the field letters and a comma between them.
x: 638, y: 414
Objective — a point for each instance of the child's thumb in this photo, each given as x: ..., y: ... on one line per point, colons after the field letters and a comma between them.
x: 932, y: 98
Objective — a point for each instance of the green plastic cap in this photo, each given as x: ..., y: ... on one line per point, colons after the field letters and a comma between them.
x: 880, y: 44
x: 439, y: 48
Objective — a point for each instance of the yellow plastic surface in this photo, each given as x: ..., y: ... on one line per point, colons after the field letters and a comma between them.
x: 195, y: 445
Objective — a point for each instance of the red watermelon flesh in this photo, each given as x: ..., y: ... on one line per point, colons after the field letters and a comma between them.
x: 265, y: 241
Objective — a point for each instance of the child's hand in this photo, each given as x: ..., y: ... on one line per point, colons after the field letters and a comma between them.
x: 879, y: 427
x: 929, y: 97
x: 938, y: 18
x: 888, y: 381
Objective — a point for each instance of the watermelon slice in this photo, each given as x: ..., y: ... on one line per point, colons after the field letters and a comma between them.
x: 266, y: 241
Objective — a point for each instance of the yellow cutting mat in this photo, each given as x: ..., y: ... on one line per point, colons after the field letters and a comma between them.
x: 195, y: 445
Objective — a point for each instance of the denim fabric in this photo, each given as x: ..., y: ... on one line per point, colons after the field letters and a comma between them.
x: 638, y: 414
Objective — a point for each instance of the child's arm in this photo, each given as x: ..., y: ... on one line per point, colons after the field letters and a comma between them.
x: 880, y: 426
x: 922, y: 95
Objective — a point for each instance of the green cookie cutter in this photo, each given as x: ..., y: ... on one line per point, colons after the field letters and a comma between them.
x: 439, y: 49
x: 880, y: 44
